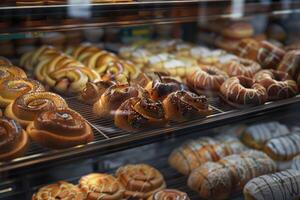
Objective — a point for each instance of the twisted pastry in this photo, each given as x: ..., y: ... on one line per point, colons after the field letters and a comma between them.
x: 82, y: 51
x: 8, y: 72
x: 114, y: 70
x: 278, y: 84
x: 208, y: 79
x: 183, y: 105
x: 138, y: 113
x: 140, y: 180
x: 169, y: 194
x: 59, y: 190
x: 219, y: 180
x: 101, y: 186
x: 255, y: 136
x: 61, y: 128
x: 284, y: 185
x: 93, y: 91
x: 13, y: 139
x: 283, y: 148
x: 194, y: 153
x: 112, y: 98
x: 12, y: 88
x: 241, y: 67
x: 25, y: 108
x: 239, y: 91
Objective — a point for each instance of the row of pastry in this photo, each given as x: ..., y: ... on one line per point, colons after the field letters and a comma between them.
x: 33, y: 114
x: 222, y: 166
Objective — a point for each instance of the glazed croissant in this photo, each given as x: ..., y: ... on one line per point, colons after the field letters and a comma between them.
x: 195, y: 153
x: 218, y: 180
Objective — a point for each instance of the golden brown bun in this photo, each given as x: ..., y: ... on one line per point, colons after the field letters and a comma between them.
x: 58, y: 129
x: 169, y: 194
x: 8, y: 72
x: 59, y: 190
x: 101, y: 186
x: 25, y: 108
x: 140, y: 180
x: 14, y: 140
x: 238, y: 30
x: 269, y: 56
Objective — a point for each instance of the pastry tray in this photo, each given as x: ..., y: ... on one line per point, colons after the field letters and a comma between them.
x: 109, y: 138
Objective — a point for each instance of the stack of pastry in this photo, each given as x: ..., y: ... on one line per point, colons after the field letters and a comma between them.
x: 146, y: 102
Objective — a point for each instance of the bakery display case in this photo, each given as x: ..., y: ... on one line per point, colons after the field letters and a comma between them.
x: 134, y: 99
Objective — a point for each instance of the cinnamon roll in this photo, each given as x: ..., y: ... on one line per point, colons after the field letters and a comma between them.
x: 12, y: 88
x: 59, y: 129
x: 183, y: 105
x: 241, y: 91
x: 59, y: 190
x: 8, y: 72
x: 241, y: 67
x: 139, y: 113
x: 169, y: 194
x: 278, y: 84
x: 25, y: 108
x: 93, y: 91
x: 112, y: 98
x: 101, y: 186
x: 14, y: 140
x: 140, y: 180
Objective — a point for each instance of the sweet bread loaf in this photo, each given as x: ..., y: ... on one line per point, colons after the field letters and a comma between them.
x: 218, y: 180
x: 140, y: 180
x: 284, y: 185
x: 255, y: 136
x: 59, y: 129
x: 169, y: 194
x: 59, y: 190
x: 195, y: 153
x: 101, y: 186
x: 14, y: 140
x: 283, y: 148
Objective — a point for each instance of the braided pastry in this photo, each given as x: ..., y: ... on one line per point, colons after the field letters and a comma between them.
x: 255, y: 136
x: 25, y: 108
x: 240, y: 91
x: 61, y: 128
x: 169, y: 194
x: 269, y: 55
x: 278, y: 84
x: 112, y: 98
x: 229, y: 175
x: 206, y: 80
x: 194, y: 153
x: 139, y: 113
x: 101, y: 186
x: 283, y: 148
x: 59, y: 190
x: 284, y: 185
x: 140, y: 180
x: 241, y: 67
x: 14, y: 140
x: 93, y: 91
x: 12, y: 88
x: 183, y: 105
x: 8, y: 72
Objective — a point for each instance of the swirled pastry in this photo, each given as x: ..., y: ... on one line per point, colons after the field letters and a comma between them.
x: 61, y: 128
x: 112, y: 98
x: 278, y: 84
x: 140, y: 180
x: 284, y: 185
x: 194, y: 153
x: 25, y: 108
x: 8, y: 72
x: 12, y: 88
x: 183, y: 105
x: 220, y: 179
x: 139, y: 113
x: 101, y: 186
x: 169, y: 194
x: 255, y: 136
x: 241, y: 67
x: 14, y: 140
x: 59, y: 190
x: 283, y: 148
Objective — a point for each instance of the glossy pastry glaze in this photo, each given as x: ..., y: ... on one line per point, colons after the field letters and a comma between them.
x: 169, y: 194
